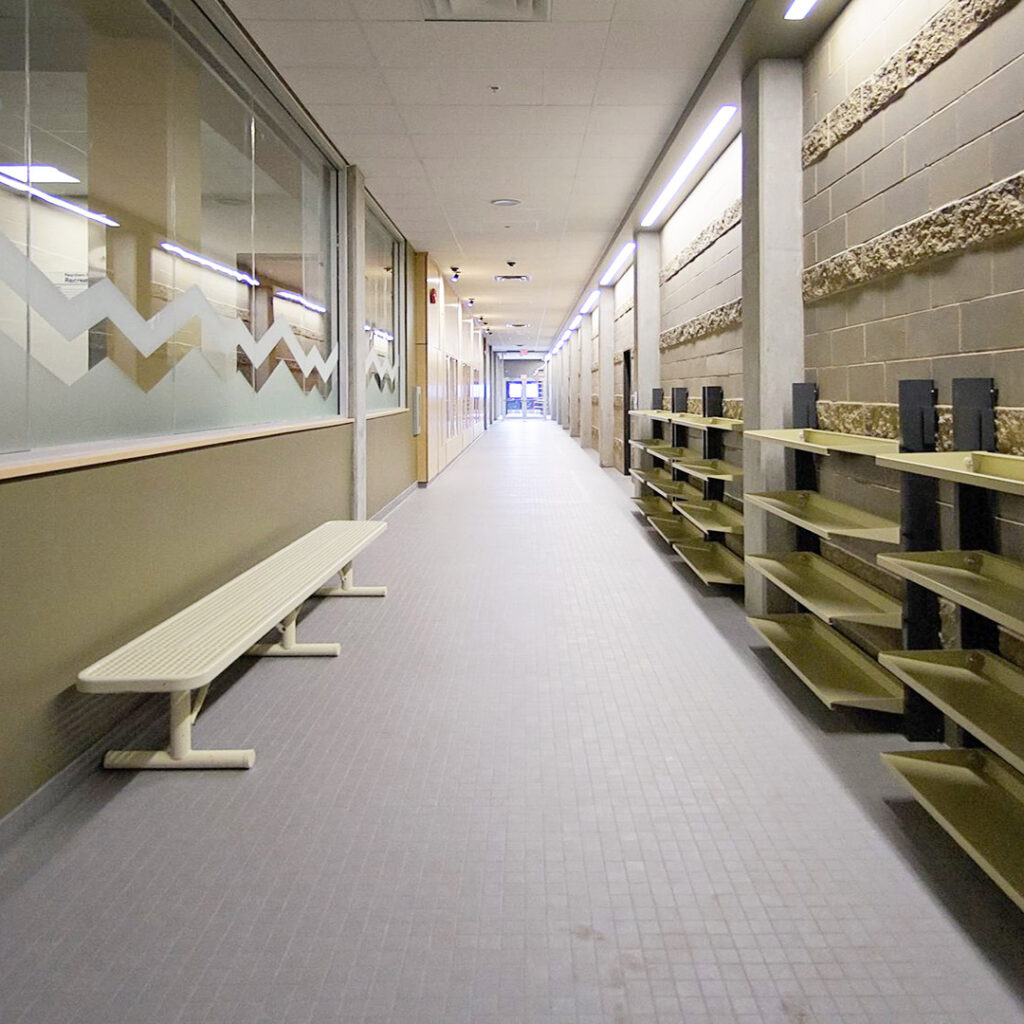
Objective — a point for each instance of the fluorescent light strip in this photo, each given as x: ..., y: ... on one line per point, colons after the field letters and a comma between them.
x: 38, y: 193
x: 220, y: 268
x: 590, y: 302
x: 301, y: 300
x: 700, y: 147
x: 566, y: 335
x: 611, y: 275
x: 799, y: 9
x: 575, y: 322
x: 45, y: 174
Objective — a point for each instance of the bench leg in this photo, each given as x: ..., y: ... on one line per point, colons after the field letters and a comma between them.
x: 349, y: 589
x: 179, y: 752
x: 289, y: 647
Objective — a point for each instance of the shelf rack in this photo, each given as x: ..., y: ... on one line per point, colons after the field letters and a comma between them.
x: 836, y: 670
x: 972, y: 697
x: 825, y: 442
x: 693, y: 478
x: 712, y: 516
x: 978, y: 800
x: 826, y: 518
x: 833, y: 668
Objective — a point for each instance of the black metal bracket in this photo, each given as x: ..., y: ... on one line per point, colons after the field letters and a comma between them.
x: 805, y: 464
x: 680, y: 403
x: 713, y: 404
x: 974, y: 429
x: 919, y: 531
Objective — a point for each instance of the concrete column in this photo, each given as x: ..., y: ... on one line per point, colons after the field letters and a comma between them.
x: 355, y: 226
x: 573, y: 348
x: 647, y: 316
x: 565, y: 401
x: 586, y: 381
x: 773, y: 312
x: 606, y: 375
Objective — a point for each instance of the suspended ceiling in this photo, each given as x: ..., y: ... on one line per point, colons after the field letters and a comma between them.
x: 566, y: 116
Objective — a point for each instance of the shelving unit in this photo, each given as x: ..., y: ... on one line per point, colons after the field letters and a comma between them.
x: 712, y: 516
x: 972, y: 697
x: 991, y: 470
x: 653, y: 505
x: 826, y: 518
x: 836, y: 670
x: 828, y: 591
x: 978, y: 800
x: 825, y: 442
x: 693, y: 479
x: 985, y: 583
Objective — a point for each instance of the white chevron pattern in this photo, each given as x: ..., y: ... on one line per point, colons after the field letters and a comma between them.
x: 222, y: 336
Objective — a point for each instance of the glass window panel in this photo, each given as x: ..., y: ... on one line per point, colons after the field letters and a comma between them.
x: 384, y: 348
x: 176, y: 196
x: 13, y: 233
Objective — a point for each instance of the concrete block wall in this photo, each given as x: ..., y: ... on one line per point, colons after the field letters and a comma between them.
x: 954, y: 130
x: 623, y: 342
x: 709, y: 280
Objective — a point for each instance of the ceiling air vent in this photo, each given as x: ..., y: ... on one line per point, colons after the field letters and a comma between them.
x: 486, y: 10
x: 511, y: 277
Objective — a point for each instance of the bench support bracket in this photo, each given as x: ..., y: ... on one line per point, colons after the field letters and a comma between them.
x: 289, y: 647
x: 349, y: 589
x: 179, y: 752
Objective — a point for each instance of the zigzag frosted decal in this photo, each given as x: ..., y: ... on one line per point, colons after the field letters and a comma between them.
x: 222, y: 336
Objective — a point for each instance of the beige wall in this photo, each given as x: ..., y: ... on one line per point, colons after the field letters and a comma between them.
x: 94, y: 556
x: 390, y: 457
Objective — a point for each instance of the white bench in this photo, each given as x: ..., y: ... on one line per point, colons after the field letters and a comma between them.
x: 188, y: 650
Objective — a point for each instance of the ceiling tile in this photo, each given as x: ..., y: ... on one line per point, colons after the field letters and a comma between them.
x: 682, y: 43
x: 636, y: 120
x: 340, y: 119
x: 536, y: 120
x: 496, y: 147
x: 387, y: 10
x: 295, y: 44
x: 658, y: 86
x: 358, y: 147
x: 481, y: 45
x: 569, y: 85
x: 338, y: 85
x: 296, y: 10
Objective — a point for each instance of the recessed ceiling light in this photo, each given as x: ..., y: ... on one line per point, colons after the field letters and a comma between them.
x: 505, y: 202
x: 590, y: 302
x: 707, y: 139
x: 575, y: 322
x: 517, y: 327
x: 511, y: 277
x: 799, y: 9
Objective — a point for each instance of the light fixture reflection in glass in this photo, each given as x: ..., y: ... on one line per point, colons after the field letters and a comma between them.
x: 700, y: 148
x: 611, y: 275
x: 301, y: 300
x: 799, y: 9
x: 37, y: 174
x: 202, y: 261
x: 590, y: 302
x: 38, y: 193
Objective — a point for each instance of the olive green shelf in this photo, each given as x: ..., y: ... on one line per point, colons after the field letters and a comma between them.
x: 988, y: 584
x: 712, y: 562
x: 674, y: 529
x: 670, y: 454
x: 653, y: 505
x: 676, y: 490
x: 650, y: 476
x: 825, y: 517
x: 977, y: 689
x: 836, y: 671
x: 661, y: 415
x: 981, y: 469
x: 979, y: 801
x: 650, y: 444
x: 689, y: 419
x: 828, y: 591
x: 712, y: 516
x: 708, y: 469
x: 824, y: 442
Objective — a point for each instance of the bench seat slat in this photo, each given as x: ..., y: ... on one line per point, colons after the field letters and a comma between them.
x: 191, y: 647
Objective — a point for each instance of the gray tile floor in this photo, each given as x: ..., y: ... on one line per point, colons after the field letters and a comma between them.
x: 550, y: 780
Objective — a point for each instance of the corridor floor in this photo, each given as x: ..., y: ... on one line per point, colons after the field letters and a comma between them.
x: 550, y: 779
